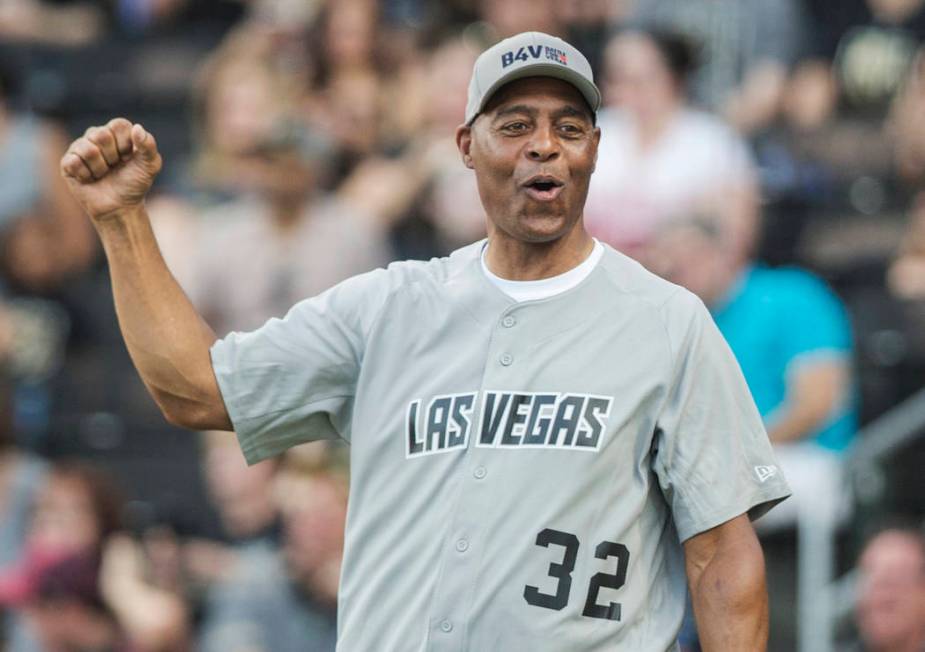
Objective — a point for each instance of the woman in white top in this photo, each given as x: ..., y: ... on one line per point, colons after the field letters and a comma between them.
x: 659, y: 158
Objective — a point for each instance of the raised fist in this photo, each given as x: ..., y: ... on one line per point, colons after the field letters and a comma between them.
x: 111, y: 168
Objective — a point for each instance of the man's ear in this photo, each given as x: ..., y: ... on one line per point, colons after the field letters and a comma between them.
x: 464, y: 143
x: 597, y: 142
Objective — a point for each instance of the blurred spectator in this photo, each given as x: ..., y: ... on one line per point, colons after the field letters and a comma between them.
x: 269, y: 250
x: 590, y: 23
x: 427, y: 194
x: 313, y: 527
x: 21, y: 476
x: 79, y: 586
x: 143, y: 17
x: 849, y: 133
x: 77, y: 510
x: 269, y: 603
x: 151, y: 619
x: 76, y: 23
x: 285, y: 239
x: 44, y: 239
x: 48, y: 22
x: 809, y: 159
x: 345, y: 100
x: 242, y: 100
x: 243, y: 495
x: 907, y: 273
x: 61, y: 600
x: 447, y: 197
x: 891, y: 602
x: 247, y: 509
x: 870, y: 44
x: 748, y: 49
x: 658, y: 157
x: 904, y: 125
x: 515, y: 16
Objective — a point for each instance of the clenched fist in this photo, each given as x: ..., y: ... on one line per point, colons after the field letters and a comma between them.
x: 111, y: 168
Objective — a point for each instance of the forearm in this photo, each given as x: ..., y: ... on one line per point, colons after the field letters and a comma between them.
x: 730, y: 600
x: 167, y: 339
x: 757, y: 101
x: 153, y: 619
x: 814, y: 392
x: 790, y: 425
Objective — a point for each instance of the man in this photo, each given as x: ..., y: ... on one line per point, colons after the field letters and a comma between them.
x: 749, y: 46
x: 891, y: 594
x: 536, y: 423
x: 272, y: 600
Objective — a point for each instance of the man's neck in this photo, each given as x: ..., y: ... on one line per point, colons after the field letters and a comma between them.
x: 516, y: 260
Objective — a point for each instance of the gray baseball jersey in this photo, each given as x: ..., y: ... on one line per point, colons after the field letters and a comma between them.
x: 523, y: 474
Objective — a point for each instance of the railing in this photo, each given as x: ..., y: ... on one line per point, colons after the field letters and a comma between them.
x: 883, y: 437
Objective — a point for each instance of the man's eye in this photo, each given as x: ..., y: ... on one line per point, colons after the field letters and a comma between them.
x: 570, y: 129
x: 515, y: 127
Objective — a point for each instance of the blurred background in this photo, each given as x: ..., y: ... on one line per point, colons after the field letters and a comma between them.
x: 767, y: 154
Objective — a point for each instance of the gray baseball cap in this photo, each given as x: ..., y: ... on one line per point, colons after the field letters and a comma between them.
x: 529, y: 54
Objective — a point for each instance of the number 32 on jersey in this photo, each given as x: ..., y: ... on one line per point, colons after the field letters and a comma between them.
x: 562, y: 571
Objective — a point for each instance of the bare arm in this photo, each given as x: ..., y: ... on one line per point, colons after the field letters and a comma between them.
x: 814, y: 390
x: 756, y: 102
x: 153, y: 619
x: 109, y: 171
x: 725, y: 571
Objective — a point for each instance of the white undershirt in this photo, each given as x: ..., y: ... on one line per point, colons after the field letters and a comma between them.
x: 545, y: 287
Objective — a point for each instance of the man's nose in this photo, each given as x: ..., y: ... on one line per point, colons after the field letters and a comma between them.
x: 543, y: 145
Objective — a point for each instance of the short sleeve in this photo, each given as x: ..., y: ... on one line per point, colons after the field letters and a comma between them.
x: 816, y: 324
x: 293, y: 380
x: 712, y: 457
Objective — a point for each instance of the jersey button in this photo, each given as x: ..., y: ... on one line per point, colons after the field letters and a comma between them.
x: 446, y: 626
x: 480, y: 472
x: 506, y: 359
x: 462, y: 545
x: 508, y: 321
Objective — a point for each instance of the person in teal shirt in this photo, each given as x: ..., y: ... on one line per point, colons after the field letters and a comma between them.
x: 782, y: 324
x: 789, y: 332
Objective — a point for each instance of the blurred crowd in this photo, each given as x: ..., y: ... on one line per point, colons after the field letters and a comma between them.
x: 767, y: 155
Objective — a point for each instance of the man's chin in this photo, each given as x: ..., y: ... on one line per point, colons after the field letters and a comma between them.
x: 543, y: 228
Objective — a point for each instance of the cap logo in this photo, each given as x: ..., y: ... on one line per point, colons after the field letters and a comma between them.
x: 533, y: 52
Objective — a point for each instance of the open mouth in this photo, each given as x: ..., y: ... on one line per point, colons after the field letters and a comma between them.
x: 543, y: 188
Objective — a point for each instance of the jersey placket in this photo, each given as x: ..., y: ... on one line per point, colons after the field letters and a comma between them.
x: 479, y: 479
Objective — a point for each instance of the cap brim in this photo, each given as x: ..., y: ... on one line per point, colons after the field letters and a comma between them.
x: 557, y: 71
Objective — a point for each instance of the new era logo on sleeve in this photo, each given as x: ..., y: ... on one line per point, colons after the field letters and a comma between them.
x: 765, y: 472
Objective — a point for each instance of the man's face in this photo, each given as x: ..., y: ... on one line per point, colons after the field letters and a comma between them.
x: 891, y: 601
x: 697, y: 261
x: 533, y: 150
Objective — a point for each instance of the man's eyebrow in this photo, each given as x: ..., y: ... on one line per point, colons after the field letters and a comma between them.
x: 567, y: 111
x: 570, y: 111
x: 516, y: 108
